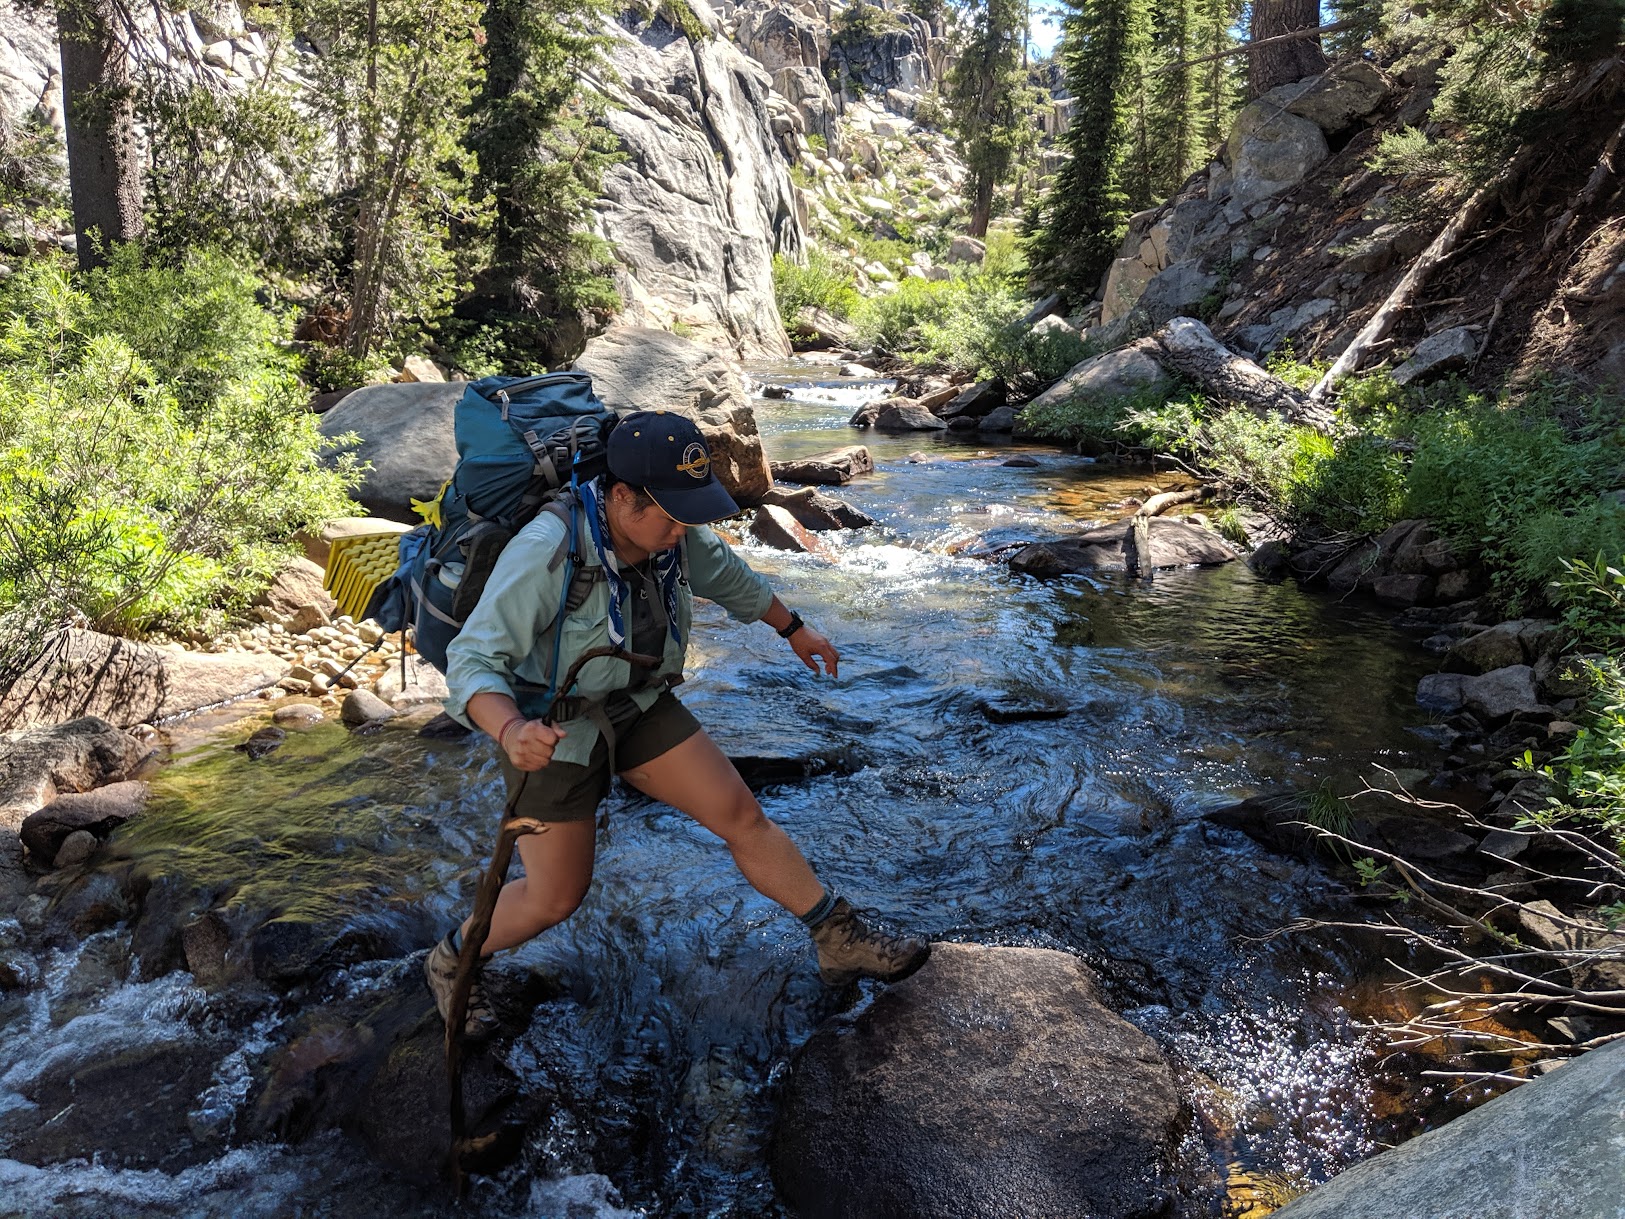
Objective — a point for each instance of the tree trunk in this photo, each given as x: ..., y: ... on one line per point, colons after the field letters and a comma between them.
x: 104, y: 172
x: 1283, y: 62
x: 1189, y: 348
x: 981, y: 208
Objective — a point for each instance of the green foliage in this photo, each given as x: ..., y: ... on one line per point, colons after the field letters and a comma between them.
x: 1075, y: 227
x: 33, y: 182
x: 821, y: 284
x: 995, y: 126
x: 898, y: 321
x: 1592, y: 768
x: 541, y: 155
x: 158, y: 453
x: 1519, y: 487
x: 1591, y: 595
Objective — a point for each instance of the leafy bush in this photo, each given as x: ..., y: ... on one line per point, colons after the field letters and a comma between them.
x: 822, y: 284
x: 1519, y: 487
x: 1592, y: 597
x: 157, y: 450
x: 898, y: 322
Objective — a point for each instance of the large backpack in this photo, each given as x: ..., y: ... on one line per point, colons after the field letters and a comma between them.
x: 521, y: 441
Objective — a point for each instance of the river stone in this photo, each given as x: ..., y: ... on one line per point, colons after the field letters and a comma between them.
x: 128, y: 683
x: 976, y: 400
x: 1497, y: 647
x: 1173, y: 544
x: 1448, y: 351
x: 1117, y: 374
x: 1270, y: 151
x: 634, y: 368
x: 75, y: 849
x: 98, y: 813
x: 1441, y: 693
x: 778, y: 529
x: 1500, y: 694
x: 817, y: 511
x: 405, y: 432
x: 912, y: 417
x: 1403, y: 591
x: 364, y: 707
x: 992, y: 1083
x: 835, y: 468
x: 297, y: 713
x: 999, y: 421
x: 1549, y: 1148
x: 294, y: 593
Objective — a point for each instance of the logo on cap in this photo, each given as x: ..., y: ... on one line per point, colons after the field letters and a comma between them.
x: 696, y: 462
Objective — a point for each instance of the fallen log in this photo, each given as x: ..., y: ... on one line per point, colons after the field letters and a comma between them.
x: 1188, y: 347
x: 1137, y: 541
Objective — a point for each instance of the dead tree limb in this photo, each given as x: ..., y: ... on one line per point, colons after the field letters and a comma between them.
x: 1137, y: 542
x: 1188, y: 347
x: 1461, y: 225
x: 1259, y: 44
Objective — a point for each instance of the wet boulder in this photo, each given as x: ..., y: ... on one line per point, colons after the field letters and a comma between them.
x: 780, y: 530
x: 1503, y: 693
x: 99, y: 812
x: 835, y: 468
x: 1519, y: 641
x: 974, y: 401
x: 909, y: 417
x: 992, y: 1083
x: 816, y: 511
x: 1174, y: 543
x: 36, y: 766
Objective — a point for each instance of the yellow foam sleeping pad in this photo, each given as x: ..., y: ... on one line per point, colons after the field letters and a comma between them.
x: 356, y: 566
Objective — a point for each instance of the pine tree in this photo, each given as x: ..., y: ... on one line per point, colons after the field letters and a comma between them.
x: 1072, y: 235
x: 994, y: 109
x: 1177, y: 104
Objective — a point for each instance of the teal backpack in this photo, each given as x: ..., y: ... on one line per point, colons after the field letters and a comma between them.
x: 521, y: 441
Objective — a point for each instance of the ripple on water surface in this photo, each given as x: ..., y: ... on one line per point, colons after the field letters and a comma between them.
x: 1001, y: 760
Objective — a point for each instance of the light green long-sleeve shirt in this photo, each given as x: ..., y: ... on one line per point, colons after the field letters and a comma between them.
x: 508, y: 638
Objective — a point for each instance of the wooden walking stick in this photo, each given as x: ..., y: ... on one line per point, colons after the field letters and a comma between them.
x: 510, y: 830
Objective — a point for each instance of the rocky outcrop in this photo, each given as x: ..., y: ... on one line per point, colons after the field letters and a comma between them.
x: 703, y: 199
x: 644, y: 369
x: 1174, y: 543
x: 897, y: 58
x: 127, y: 683
x: 992, y: 1083
x: 1549, y: 1148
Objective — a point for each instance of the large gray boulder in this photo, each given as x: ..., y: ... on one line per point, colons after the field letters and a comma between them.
x: 1550, y: 1148
x: 1271, y: 150
x: 835, y: 468
x: 1448, y: 351
x: 41, y: 764
x: 992, y: 1083
x: 128, y: 683
x: 782, y: 38
x: 1337, y: 98
x: 1502, y: 693
x: 639, y: 369
x: 1115, y: 374
x: 1174, y: 543
x: 808, y: 91
x: 405, y: 432
x: 1177, y: 291
x: 702, y: 199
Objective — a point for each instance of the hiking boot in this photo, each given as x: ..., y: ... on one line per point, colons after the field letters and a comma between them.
x: 850, y: 948
x: 440, y: 972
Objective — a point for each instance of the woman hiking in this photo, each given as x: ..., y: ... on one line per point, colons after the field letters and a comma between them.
x: 642, y: 535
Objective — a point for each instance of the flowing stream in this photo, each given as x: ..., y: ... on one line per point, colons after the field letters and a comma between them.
x: 1001, y: 760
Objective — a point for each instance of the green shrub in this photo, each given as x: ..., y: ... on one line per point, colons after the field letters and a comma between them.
x: 822, y: 283
x: 1519, y: 487
x: 899, y: 321
x: 157, y: 453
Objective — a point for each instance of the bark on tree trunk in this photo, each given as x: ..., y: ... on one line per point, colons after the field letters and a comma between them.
x: 104, y: 171
x: 1189, y: 348
x: 982, y: 208
x: 1283, y: 62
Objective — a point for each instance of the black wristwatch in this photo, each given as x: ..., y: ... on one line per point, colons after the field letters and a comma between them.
x: 791, y: 627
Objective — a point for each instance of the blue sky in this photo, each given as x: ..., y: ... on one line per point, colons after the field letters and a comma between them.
x: 1044, y: 28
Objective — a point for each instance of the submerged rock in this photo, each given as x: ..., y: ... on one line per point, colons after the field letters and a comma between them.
x: 992, y: 1083
x: 816, y: 511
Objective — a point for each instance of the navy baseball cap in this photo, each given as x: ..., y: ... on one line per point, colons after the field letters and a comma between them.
x: 665, y: 454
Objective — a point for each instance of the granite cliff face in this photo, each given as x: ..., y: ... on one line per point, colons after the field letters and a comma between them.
x: 703, y: 199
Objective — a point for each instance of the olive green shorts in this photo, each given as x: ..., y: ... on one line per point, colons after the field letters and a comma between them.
x: 569, y: 791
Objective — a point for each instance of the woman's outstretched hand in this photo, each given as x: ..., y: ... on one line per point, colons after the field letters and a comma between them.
x: 530, y: 745
x: 812, y: 647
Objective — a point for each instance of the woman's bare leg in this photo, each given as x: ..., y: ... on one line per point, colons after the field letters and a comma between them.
x: 558, y: 869
x: 695, y: 777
